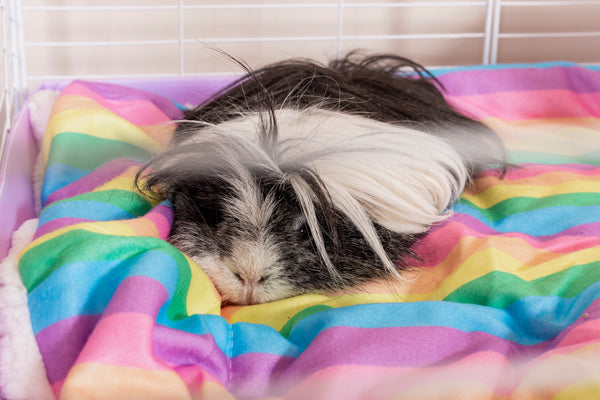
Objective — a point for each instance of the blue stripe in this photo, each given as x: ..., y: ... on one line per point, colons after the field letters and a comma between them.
x: 85, y: 288
x: 86, y: 209
x: 540, y: 222
x: 58, y: 176
x: 246, y: 337
x: 551, y: 64
x: 261, y: 339
x: 529, y: 321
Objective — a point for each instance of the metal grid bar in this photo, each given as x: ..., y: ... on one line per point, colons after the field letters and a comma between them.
x: 339, y: 38
x: 496, y: 35
x: 491, y: 33
x: 260, y: 6
x: 5, y: 106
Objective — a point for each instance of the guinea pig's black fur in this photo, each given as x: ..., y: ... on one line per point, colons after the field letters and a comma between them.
x: 301, y: 178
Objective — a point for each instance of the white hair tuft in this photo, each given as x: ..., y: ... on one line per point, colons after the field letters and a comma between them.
x: 374, y: 172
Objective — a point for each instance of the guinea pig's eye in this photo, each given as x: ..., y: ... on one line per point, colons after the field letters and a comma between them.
x: 299, y: 225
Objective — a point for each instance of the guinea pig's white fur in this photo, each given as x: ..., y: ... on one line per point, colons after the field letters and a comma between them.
x: 399, y: 178
x: 308, y: 178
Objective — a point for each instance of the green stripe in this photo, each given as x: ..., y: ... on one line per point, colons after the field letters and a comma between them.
x: 517, y: 157
x: 80, y: 246
x: 131, y: 202
x: 517, y: 205
x: 307, y: 312
x: 501, y: 289
x: 89, y: 152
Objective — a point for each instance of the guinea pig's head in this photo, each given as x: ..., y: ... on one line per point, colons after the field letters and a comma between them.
x: 250, y: 237
x: 327, y: 202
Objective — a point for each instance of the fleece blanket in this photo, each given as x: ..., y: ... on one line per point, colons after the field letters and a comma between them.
x: 505, y: 306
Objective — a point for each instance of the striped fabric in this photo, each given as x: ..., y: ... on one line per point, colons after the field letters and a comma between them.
x: 506, y: 305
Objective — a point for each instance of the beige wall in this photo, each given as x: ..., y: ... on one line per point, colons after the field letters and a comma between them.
x: 202, y: 26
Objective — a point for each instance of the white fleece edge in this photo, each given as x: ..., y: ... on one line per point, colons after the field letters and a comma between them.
x: 22, y: 371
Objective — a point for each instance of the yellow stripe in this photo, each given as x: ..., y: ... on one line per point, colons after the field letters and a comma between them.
x: 119, y: 183
x: 90, y: 381
x: 202, y: 297
x: 212, y: 390
x: 572, y: 375
x: 565, y: 136
x: 460, y: 388
x: 542, y: 179
x: 97, y: 123
x: 488, y: 260
x: 498, y: 193
x: 113, y: 228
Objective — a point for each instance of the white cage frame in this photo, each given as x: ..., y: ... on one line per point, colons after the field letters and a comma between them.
x: 16, y: 80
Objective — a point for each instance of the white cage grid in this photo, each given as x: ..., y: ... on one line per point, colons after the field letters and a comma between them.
x: 17, y: 80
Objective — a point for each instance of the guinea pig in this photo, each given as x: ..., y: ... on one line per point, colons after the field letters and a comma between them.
x: 306, y: 178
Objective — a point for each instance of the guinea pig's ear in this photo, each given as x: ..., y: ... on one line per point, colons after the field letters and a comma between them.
x: 157, y: 179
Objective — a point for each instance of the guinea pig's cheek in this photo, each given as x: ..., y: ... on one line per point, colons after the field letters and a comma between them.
x: 277, y: 289
x: 215, y: 271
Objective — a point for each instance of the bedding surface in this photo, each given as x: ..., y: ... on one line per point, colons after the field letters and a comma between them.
x: 505, y: 306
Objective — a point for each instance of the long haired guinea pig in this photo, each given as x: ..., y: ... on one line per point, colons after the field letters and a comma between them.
x: 301, y: 177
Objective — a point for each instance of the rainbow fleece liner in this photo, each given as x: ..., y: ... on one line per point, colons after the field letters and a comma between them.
x: 506, y: 305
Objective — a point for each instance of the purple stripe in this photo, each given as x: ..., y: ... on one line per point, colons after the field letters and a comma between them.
x: 181, y: 348
x: 163, y: 222
x: 254, y: 374
x: 414, y: 347
x: 137, y: 294
x: 591, y: 229
x: 92, y: 180
x: 474, y: 82
x: 61, y: 343
x: 125, y: 93
x: 56, y: 224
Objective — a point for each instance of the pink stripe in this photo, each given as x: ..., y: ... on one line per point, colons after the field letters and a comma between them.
x: 349, y: 382
x: 442, y: 240
x: 585, y: 331
x: 137, y: 107
x: 470, y: 81
x: 194, y: 377
x: 516, y: 106
x: 412, y: 346
x: 486, y: 360
x: 94, y: 179
x: 124, y: 335
x: 591, y: 229
x: 57, y: 388
x: 533, y: 170
x: 57, y: 224
x: 162, y: 217
x: 123, y: 339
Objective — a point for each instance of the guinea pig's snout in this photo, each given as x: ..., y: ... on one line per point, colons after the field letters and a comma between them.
x: 251, y: 287
x: 252, y: 266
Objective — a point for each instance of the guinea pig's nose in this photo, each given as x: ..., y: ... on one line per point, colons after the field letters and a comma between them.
x: 250, y: 287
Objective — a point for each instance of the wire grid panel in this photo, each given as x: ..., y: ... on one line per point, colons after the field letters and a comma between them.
x: 11, y: 68
x: 66, y: 39
x: 545, y: 30
x: 177, y: 38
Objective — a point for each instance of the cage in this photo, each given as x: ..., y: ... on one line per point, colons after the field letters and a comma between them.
x: 503, y: 49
